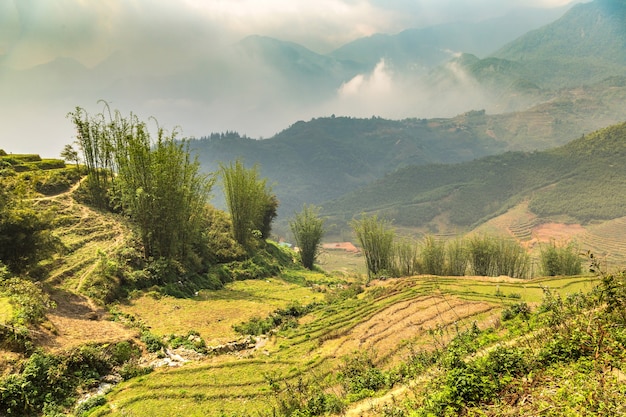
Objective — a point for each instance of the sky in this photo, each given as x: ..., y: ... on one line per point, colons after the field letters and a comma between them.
x: 154, y: 39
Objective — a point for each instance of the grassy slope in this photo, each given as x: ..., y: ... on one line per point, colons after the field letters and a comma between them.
x: 390, y: 318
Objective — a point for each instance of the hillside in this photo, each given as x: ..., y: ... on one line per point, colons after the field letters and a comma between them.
x: 295, y: 341
x: 586, y: 45
x: 421, y: 49
x: 319, y: 160
x: 580, y: 182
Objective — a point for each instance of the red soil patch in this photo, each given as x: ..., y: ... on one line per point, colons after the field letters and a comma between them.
x: 559, y: 232
x: 347, y: 246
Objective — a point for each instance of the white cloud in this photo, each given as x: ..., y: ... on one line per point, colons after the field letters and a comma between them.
x: 169, y: 61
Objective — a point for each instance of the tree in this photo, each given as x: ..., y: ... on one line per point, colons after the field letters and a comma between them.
x: 251, y: 205
x: 433, y: 256
x: 307, y: 228
x: 560, y: 260
x: 93, y: 141
x: 25, y: 234
x: 70, y: 154
x: 376, y: 240
x: 155, y: 182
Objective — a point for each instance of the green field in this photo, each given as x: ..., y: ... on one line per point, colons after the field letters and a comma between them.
x: 389, y: 319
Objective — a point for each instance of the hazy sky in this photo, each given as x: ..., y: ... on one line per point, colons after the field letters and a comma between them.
x: 163, y: 34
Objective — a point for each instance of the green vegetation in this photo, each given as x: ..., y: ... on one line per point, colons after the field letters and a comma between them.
x: 156, y: 184
x: 557, y: 55
x: 308, y: 230
x: 265, y: 336
x: 46, y: 384
x: 375, y: 237
x: 567, y: 181
x: 322, y: 159
x: 560, y: 260
x: 251, y: 205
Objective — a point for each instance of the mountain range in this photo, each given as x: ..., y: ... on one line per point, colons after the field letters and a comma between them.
x: 550, y: 88
x: 257, y: 85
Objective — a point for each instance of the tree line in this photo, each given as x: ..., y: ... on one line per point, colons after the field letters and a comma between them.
x: 480, y: 255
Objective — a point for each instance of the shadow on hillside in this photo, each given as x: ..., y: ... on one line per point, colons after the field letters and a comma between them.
x: 73, y: 306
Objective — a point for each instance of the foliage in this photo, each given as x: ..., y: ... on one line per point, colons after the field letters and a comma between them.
x: 433, y: 256
x: 70, y: 154
x: 251, y: 205
x: 302, y: 398
x: 493, y: 256
x: 307, y: 228
x: 360, y: 377
x: 560, y: 260
x: 376, y: 240
x: 281, y: 318
x: 25, y: 234
x: 157, y: 184
x: 457, y: 257
x: 47, y: 381
x: 29, y: 302
x: 406, y: 261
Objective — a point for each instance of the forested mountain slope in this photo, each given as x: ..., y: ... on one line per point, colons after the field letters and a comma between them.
x: 321, y: 159
x: 582, y: 181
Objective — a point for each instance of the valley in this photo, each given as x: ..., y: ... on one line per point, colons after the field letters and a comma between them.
x: 439, y: 229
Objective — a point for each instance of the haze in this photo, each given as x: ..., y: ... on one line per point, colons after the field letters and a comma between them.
x: 181, y: 62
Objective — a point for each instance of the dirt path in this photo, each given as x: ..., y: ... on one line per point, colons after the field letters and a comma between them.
x: 77, y: 321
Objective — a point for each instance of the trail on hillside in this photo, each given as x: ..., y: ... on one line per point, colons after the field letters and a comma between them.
x: 86, y: 235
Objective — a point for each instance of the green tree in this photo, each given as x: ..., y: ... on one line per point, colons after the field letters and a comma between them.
x: 251, y: 205
x: 375, y: 237
x: 25, y: 234
x: 560, y: 260
x: 406, y: 258
x: 307, y: 228
x: 433, y: 256
x: 70, y: 154
x: 482, y: 252
x: 157, y: 185
x: 456, y: 257
x: 94, y: 142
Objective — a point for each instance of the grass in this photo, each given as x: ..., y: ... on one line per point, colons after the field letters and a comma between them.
x: 6, y: 311
x: 390, y: 319
x: 213, y: 313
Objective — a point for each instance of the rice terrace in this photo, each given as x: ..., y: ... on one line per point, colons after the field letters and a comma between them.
x: 428, y: 221
x: 316, y: 341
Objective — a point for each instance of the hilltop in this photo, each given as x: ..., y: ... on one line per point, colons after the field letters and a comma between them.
x: 324, y: 158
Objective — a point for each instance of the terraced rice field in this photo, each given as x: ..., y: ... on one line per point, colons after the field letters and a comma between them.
x: 390, y: 319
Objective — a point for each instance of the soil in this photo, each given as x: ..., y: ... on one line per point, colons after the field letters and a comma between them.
x: 76, y: 321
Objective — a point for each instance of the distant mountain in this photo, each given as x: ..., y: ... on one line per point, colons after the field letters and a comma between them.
x: 298, y: 65
x: 582, y: 181
x: 325, y: 158
x: 425, y: 48
x: 584, y: 46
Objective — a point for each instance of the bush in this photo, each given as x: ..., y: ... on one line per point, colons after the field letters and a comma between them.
x: 84, y: 408
x: 153, y: 342
x: 560, y: 260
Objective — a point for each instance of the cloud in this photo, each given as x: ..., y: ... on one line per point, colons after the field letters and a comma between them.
x: 389, y: 95
x: 173, y: 60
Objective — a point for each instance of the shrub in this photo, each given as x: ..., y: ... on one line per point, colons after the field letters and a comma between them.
x: 86, y: 406
x: 560, y: 260
x: 153, y: 342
